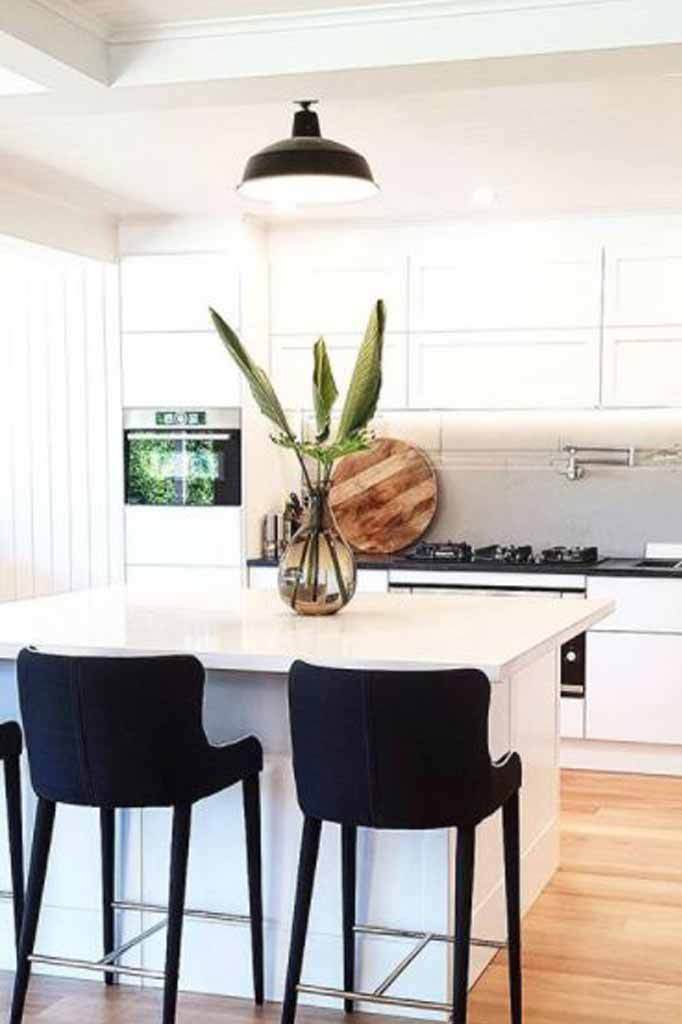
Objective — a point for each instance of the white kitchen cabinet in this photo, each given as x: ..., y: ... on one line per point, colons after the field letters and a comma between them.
x: 178, y: 369
x: 642, y: 605
x: 643, y: 285
x: 642, y: 366
x: 572, y: 718
x: 465, y: 287
x: 328, y: 281
x: 370, y: 581
x: 292, y: 358
x: 634, y: 688
x: 173, y: 292
x: 511, y: 369
x: 183, y: 536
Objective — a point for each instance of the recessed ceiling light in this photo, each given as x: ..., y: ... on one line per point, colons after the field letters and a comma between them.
x: 482, y: 198
x: 307, y: 169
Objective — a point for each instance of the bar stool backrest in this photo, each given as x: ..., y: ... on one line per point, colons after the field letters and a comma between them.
x: 390, y: 749
x: 111, y: 732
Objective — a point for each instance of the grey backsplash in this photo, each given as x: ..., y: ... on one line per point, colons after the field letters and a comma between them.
x: 618, y: 510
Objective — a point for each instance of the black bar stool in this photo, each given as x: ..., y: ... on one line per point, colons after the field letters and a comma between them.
x: 127, y: 732
x: 10, y: 753
x: 399, y: 750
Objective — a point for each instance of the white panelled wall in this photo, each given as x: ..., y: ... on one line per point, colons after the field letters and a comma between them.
x: 61, y: 523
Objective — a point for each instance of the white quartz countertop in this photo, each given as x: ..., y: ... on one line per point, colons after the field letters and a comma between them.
x: 254, y: 631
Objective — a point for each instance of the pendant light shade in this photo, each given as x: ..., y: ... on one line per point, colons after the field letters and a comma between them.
x: 307, y: 169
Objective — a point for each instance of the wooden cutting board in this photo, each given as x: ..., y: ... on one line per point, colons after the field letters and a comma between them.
x: 384, y: 499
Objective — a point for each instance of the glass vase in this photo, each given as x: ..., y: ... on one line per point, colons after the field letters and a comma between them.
x: 317, y: 572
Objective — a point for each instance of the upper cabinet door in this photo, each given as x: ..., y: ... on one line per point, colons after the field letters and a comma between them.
x: 493, y: 287
x: 532, y: 369
x: 330, y: 285
x: 643, y: 287
x: 173, y: 292
x: 643, y: 366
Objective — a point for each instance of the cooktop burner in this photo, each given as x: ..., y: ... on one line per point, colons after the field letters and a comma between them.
x: 502, y: 554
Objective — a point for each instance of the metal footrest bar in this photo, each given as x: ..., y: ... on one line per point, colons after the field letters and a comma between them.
x: 92, y: 965
x: 6, y: 894
x: 371, y: 997
x: 201, y: 915
x: 116, y: 954
x: 404, y: 933
x: 379, y: 994
x: 397, y: 971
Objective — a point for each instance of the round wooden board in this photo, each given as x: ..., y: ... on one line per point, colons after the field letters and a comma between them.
x: 384, y: 499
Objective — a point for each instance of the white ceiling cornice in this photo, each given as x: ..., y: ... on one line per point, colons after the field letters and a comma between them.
x: 75, y: 14
x: 384, y: 34
x: 336, y: 16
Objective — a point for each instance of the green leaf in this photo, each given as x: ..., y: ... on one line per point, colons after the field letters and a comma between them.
x: 325, y: 391
x: 365, y: 386
x: 262, y: 390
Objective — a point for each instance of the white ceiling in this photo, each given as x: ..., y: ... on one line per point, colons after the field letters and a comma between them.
x: 118, y: 14
x: 603, y: 144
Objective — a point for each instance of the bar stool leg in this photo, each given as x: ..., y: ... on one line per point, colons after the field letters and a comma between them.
x: 464, y: 887
x: 182, y: 821
x: 16, y: 841
x: 310, y: 846
x: 512, y: 871
x: 108, y: 843
x: 251, y: 792
x: 348, y: 860
x: 42, y: 838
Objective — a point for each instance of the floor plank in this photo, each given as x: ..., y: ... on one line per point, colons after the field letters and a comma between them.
x: 603, y: 943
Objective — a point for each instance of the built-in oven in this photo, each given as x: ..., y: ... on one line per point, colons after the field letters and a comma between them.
x: 183, y: 457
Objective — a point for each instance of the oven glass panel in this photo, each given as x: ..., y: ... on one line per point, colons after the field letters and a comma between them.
x: 182, y: 470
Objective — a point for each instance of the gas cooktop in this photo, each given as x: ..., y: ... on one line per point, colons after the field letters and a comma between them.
x: 502, y: 554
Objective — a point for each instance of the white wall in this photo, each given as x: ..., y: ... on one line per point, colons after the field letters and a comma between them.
x: 61, y: 508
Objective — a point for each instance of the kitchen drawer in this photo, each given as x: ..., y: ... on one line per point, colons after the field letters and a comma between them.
x: 634, y: 688
x: 498, y: 580
x: 370, y: 581
x: 642, y: 605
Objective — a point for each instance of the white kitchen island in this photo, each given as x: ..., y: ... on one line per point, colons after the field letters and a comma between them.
x: 247, y: 642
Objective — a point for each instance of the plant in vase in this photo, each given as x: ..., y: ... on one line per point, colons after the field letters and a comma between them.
x: 317, y: 574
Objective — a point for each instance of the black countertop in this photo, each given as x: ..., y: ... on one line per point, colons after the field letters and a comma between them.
x: 626, y: 567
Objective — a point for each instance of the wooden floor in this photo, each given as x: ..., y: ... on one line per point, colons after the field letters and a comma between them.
x: 603, y: 944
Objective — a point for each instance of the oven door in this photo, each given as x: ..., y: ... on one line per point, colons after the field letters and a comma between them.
x: 193, y: 468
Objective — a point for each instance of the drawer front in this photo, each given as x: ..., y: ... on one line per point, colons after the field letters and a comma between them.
x: 642, y: 605
x: 634, y: 688
x: 500, y: 580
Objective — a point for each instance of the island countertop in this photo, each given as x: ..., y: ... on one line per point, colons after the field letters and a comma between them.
x: 254, y: 631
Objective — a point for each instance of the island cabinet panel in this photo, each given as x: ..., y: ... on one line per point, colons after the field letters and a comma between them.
x: 642, y: 605
x: 634, y: 688
x: 172, y: 292
x: 512, y: 369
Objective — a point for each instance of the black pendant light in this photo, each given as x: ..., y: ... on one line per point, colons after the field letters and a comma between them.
x: 307, y: 169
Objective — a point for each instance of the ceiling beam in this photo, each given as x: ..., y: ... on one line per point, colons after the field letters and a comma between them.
x: 404, y: 33
x: 50, y: 49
